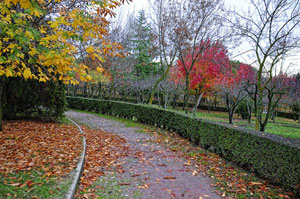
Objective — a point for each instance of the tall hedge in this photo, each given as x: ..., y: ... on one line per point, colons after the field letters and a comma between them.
x: 269, y: 156
x: 33, y: 99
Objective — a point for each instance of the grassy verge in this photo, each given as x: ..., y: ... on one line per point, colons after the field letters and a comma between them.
x: 283, y: 126
x: 33, y: 184
x: 109, y: 186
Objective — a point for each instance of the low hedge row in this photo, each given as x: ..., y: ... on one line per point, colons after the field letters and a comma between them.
x: 269, y: 156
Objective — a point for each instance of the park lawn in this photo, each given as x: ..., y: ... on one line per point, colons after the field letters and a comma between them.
x: 37, y: 159
x: 282, y: 126
x: 33, y: 184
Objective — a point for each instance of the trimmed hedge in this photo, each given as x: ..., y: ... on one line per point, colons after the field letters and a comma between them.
x: 269, y: 156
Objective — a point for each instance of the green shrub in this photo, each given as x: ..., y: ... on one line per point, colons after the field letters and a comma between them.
x: 33, y: 99
x: 269, y: 156
x: 243, y: 110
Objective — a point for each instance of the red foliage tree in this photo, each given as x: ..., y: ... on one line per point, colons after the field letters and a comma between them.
x: 207, y: 67
x: 232, y: 85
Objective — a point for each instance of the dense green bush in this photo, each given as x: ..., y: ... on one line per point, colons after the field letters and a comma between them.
x: 33, y: 99
x: 269, y: 156
x: 243, y: 110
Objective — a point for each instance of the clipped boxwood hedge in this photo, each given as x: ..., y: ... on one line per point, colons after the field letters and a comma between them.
x: 269, y: 156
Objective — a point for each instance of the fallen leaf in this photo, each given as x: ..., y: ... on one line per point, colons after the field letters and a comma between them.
x: 169, y: 177
x: 195, y: 173
x: 124, y: 183
x: 15, y: 184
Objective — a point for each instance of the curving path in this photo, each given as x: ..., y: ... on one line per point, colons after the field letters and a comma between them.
x: 154, y: 171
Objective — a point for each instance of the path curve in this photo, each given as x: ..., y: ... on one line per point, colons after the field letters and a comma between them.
x: 153, y: 170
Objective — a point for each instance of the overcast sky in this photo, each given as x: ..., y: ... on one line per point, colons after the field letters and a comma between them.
x: 239, y: 5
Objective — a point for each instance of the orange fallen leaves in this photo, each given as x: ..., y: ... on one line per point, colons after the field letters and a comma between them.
x: 103, y: 149
x: 29, y: 145
x: 169, y: 177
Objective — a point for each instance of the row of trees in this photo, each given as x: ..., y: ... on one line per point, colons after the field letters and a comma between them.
x: 180, y: 51
x: 176, y: 52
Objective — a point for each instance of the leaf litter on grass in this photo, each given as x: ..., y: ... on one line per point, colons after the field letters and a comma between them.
x: 33, y: 154
x: 103, y: 150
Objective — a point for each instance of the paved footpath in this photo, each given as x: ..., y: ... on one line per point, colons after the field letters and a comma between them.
x: 156, y: 172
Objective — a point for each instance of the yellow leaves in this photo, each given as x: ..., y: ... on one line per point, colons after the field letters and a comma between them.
x: 8, y: 72
x: 25, y: 4
x: 29, y: 35
x: 6, y: 19
x: 32, y: 52
x: 7, y: 3
x: 27, y: 73
x: 54, y: 24
x: 90, y: 49
x: 53, y: 45
x: 12, y: 45
x: 42, y: 30
x: 100, y: 69
x: 89, y: 78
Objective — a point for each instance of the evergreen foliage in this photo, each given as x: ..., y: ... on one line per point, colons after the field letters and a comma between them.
x: 33, y: 99
x: 141, y: 48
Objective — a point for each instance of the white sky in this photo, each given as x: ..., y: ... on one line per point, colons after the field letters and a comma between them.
x: 239, y: 5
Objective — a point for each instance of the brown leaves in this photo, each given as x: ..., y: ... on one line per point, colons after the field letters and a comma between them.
x: 231, y: 182
x: 28, y: 145
x: 103, y: 149
x: 169, y: 177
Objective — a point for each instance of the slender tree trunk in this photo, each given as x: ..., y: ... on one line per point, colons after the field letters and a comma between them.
x: 174, y: 101
x: 249, y: 108
x: 166, y: 101
x: 274, y: 116
x: 299, y: 117
x: 258, y: 113
x: 164, y: 75
x: 197, y: 104
x: 186, y: 96
x: 230, y: 115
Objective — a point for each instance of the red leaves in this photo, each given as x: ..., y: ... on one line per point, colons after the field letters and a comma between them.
x: 205, y: 67
x: 28, y: 145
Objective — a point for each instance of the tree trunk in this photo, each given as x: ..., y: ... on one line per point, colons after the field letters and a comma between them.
x: 258, y: 114
x: 157, y: 83
x: 197, y: 104
x: 249, y: 112
x: 186, y: 94
x: 274, y: 116
x: 174, y: 101
x: 230, y: 115
x: 166, y: 101
x: 299, y: 117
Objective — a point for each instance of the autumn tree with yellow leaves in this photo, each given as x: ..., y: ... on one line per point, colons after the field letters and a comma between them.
x: 40, y: 39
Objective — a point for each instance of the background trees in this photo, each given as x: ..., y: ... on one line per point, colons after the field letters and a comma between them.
x: 271, y: 27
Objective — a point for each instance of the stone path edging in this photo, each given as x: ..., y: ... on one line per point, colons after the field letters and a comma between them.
x: 79, y: 168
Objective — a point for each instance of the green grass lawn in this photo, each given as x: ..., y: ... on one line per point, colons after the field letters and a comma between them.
x: 33, y: 184
x: 282, y: 126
